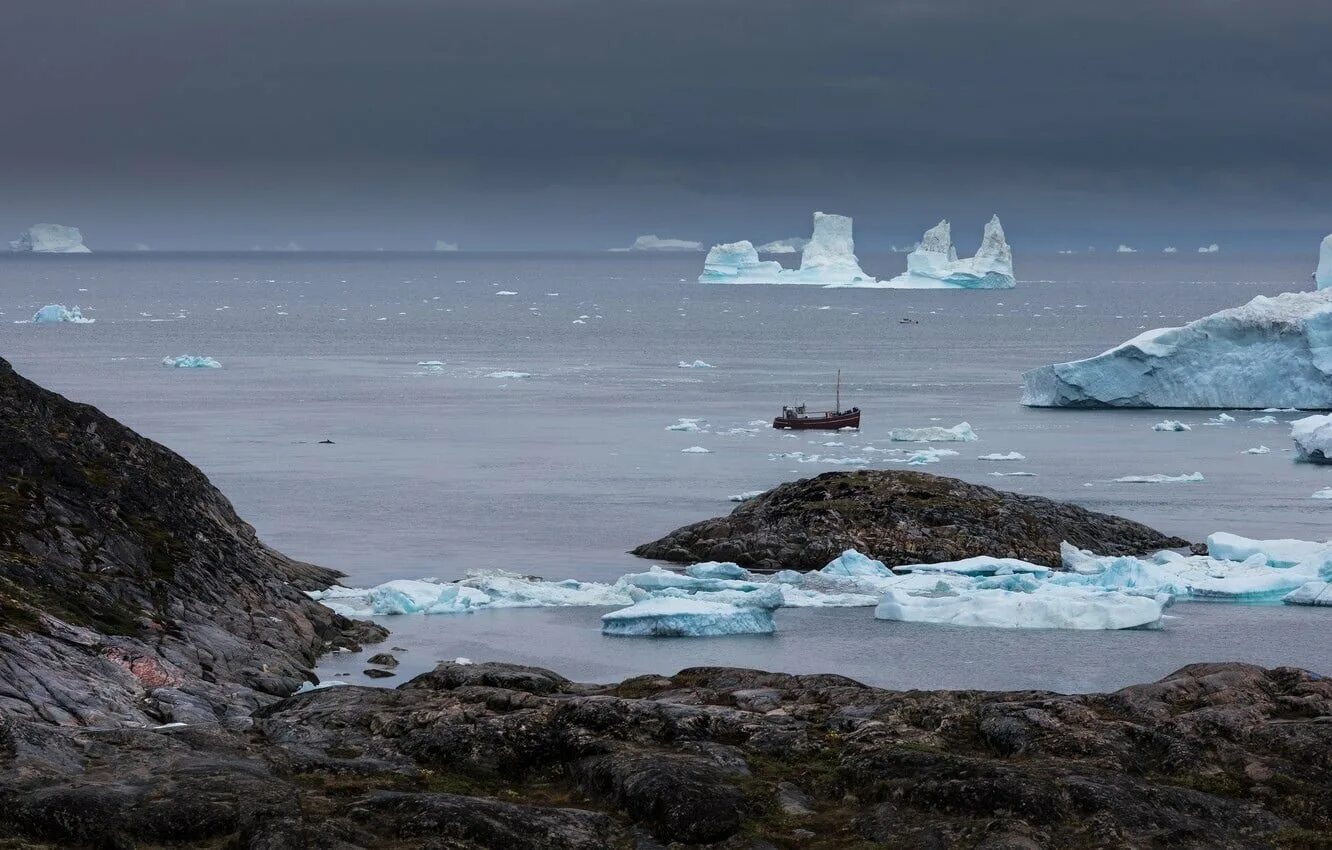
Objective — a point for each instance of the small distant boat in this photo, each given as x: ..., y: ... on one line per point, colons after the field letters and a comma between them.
x: 797, y: 418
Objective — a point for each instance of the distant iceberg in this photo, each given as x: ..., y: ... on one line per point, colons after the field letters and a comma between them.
x: 1170, y: 249
x: 441, y: 245
x: 681, y: 617
x: 1171, y: 425
x: 1313, y: 438
x: 934, y: 263
x: 793, y: 245
x: 53, y: 313
x: 1008, y: 456
x: 1323, y: 277
x: 697, y: 364
x: 1160, y: 478
x: 50, y: 239
x: 191, y: 361
x: 1271, y: 352
x: 828, y: 259
x: 652, y: 242
x: 1209, y: 249
x: 1125, y: 249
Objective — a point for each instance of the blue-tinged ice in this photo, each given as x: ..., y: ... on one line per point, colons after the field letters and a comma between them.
x: 1027, y: 605
x: 191, y: 361
x: 1271, y: 352
x: 981, y: 565
x: 683, y: 617
x: 717, y: 569
x: 934, y: 263
x: 853, y: 564
x: 1323, y: 276
x: 959, y: 433
x: 53, y: 313
x: 828, y: 259
x: 1313, y: 438
x: 1310, y: 593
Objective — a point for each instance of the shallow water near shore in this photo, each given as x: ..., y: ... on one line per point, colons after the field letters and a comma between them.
x: 437, y: 471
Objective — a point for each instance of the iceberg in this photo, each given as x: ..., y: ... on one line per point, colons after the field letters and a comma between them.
x: 1313, y: 439
x: 652, y: 242
x: 1282, y: 553
x: 441, y: 245
x: 1125, y: 249
x: 1159, y: 478
x: 697, y: 364
x: 1310, y: 593
x: 794, y: 245
x: 934, y: 263
x: 959, y: 433
x: 746, y: 496
x: 1323, y: 276
x: 852, y: 564
x: 1171, y: 425
x: 54, y: 313
x: 828, y: 259
x: 1271, y: 352
x: 50, y: 239
x: 929, y: 456
x: 981, y: 565
x: 717, y: 569
x: 1209, y: 249
x: 696, y: 450
x: 508, y: 374
x: 672, y: 617
x: 191, y: 361
x: 1008, y: 456
x: 1041, y: 606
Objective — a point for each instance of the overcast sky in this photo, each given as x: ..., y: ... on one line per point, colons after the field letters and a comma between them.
x: 581, y: 123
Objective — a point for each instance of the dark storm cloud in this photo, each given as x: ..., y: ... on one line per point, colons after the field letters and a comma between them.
x: 838, y: 99
x: 681, y: 82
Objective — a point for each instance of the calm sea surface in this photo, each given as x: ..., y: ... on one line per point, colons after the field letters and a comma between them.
x: 434, y: 472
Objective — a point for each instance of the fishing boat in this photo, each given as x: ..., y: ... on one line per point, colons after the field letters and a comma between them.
x: 797, y: 418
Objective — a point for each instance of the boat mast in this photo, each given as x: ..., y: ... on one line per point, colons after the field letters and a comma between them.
x: 838, y: 408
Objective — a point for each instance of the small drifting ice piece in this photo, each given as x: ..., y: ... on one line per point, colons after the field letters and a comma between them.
x: 925, y: 456
x: 697, y: 364
x: 54, y: 313
x: 1008, y: 456
x: 505, y: 373
x: 1158, y: 478
x: 683, y: 617
x: 1317, y: 593
x: 50, y: 239
x: 1171, y: 425
x: 696, y: 450
x: 1257, y: 450
x: 959, y: 433
x: 191, y: 361
x: 689, y: 426
x: 1313, y: 438
x: 746, y: 496
x: 934, y: 263
x: 1035, y: 606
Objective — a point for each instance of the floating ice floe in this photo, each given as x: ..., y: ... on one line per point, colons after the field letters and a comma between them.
x: 1310, y: 593
x: 1013, y: 474
x: 50, y: 239
x: 1209, y: 249
x: 934, y: 263
x: 1264, y: 420
x: 1257, y: 450
x: 1270, y: 352
x: 1159, y: 478
x: 53, y: 313
x: 746, y: 496
x: 1221, y: 419
x: 1313, y: 438
x: 1008, y: 456
x: 681, y: 617
x: 828, y: 260
x: 1171, y: 425
x: 191, y: 361
x: 1325, y: 493
x: 1034, y: 606
x: 652, y: 242
x: 431, y: 365
x: 801, y: 457
x: 506, y: 292
x: 696, y: 450
x: 960, y: 433
x: 504, y: 373
x: 441, y: 245
x: 697, y: 364
x: 689, y: 426
x: 928, y: 456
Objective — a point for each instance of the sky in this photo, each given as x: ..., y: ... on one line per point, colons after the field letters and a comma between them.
x: 546, y: 124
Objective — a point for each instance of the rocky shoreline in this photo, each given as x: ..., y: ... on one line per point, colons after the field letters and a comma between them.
x: 151, y: 645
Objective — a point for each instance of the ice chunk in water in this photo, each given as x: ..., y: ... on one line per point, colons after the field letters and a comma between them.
x: 682, y: 617
x: 191, y: 361
x: 53, y: 313
x: 1034, y: 606
x: 959, y: 433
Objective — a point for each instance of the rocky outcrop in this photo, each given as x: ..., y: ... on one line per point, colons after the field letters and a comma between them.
x: 1215, y: 755
x: 898, y: 517
x: 130, y: 592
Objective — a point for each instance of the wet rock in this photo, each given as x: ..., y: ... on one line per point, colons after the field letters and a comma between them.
x: 375, y: 673
x: 383, y: 659
x: 898, y: 517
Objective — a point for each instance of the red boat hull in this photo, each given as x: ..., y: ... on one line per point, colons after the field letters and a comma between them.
x: 826, y: 422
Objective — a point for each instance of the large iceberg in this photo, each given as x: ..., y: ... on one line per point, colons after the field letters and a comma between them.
x: 677, y: 617
x: 828, y: 259
x: 1323, y: 277
x: 191, y: 361
x: 1313, y: 438
x: 934, y: 263
x: 50, y: 239
x: 1272, y: 352
x: 55, y: 313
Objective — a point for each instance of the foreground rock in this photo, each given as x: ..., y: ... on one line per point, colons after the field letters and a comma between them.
x: 898, y: 517
x: 498, y: 756
x: 130, y: 592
